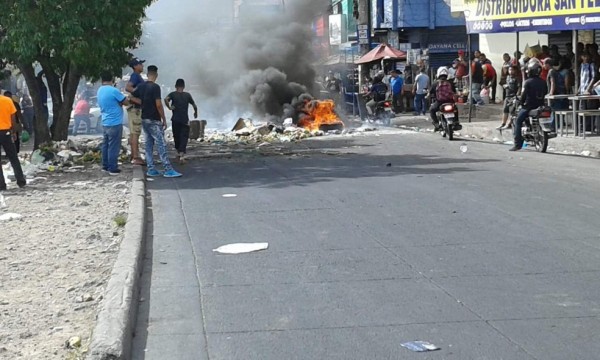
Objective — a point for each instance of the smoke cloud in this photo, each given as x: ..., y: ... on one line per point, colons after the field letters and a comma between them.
x: 254, y: 67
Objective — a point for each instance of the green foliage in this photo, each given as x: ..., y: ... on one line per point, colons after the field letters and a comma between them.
x: 69, y: 39
x: 92, y: 35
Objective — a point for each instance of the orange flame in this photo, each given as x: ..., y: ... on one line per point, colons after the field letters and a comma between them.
x: 319, y: 113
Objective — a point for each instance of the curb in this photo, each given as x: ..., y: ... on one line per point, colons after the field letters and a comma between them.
x: 113, y: 333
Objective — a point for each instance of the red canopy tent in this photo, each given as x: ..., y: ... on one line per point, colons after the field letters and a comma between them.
x: 382, y: 51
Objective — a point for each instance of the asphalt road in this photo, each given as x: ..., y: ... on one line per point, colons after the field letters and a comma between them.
x: 376, y: 241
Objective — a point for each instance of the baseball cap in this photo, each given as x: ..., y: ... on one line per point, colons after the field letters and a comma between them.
x: 461, y: 51
x: 136, y: 61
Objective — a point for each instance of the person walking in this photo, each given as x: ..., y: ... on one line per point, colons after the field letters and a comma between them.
x: 397, y: 85
x: 28, y: 112
x: 154, y: 124
x: 19, y: 118
x: 179, y: 102
x: 8, y: 134
x: 134, y: 113
x: 81, y: 113
x: 420, y: 87
x: 111, y: 102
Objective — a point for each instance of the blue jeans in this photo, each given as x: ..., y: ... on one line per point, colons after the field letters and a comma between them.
x: 420, y: 105
x: 476, y: 93
x: 111, y: 147
x: 155, y: 135
x: 518, y: 126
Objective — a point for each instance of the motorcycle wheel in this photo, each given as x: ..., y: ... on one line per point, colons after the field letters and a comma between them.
x: 541, y: 141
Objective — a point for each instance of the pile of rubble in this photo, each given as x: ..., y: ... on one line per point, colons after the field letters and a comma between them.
x: 63, y: 156
x: 247, y: 132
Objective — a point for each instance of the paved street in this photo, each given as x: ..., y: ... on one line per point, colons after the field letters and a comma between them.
x: 486, y: 254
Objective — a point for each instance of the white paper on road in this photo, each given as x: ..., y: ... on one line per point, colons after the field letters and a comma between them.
x: 10, y: 216
x: 241, y: 248
x: 2, y: 202
x: 229, y: 195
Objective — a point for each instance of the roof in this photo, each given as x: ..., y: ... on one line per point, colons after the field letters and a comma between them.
x: 382, y: 51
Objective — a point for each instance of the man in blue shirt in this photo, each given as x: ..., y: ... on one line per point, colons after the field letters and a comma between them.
x: 111, y: 102
x: 397, y: 85
x: 134, y: 113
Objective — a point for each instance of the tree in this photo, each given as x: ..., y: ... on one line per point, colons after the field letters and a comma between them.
x: 68, y: 39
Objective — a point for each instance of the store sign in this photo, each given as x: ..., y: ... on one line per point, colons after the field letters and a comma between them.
x: 337, y: 29
x: 493, y: 16
x: 439, y: 48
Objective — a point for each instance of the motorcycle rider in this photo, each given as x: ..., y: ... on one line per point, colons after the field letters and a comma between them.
x: 442, y: 92
x: 533, y: 93
x: 377, y: 93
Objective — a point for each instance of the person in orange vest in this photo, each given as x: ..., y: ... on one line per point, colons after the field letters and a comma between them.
x: 8, y: 135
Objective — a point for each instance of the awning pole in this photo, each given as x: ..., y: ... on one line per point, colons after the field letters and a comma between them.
x: 575, y: 67
x: 470, y: 99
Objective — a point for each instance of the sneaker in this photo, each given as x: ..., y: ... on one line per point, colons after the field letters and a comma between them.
x: 114, y: 172
x: 501, y: 127
x: 153, y: 173
x: 172, y: 174
x: 514, y: 148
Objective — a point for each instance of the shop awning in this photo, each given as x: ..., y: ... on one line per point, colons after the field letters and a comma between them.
x: 496, y: 16
x: 382, y: 51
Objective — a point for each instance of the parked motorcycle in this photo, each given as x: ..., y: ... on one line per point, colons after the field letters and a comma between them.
x: 447, y: 118
x: 537, y: 128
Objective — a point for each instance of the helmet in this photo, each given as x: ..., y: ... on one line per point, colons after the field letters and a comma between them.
x: 534, y: 69
x: 442, y: 71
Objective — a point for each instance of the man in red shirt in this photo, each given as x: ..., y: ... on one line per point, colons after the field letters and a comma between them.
x: 489, y: 77
x: 82, y: 113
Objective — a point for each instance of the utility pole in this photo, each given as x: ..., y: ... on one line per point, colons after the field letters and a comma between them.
x: 362, y: 14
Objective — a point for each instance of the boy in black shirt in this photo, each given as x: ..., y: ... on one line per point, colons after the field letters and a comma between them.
x: 178, y: 102
x: 154, y: 123
x: 512, y: 87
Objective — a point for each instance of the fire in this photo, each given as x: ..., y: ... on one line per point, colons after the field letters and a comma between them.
x: 319, y: 115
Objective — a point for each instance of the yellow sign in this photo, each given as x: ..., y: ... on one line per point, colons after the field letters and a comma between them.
x: 489, y: 10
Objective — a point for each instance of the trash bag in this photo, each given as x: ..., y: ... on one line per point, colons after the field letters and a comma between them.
x: 25, y: 136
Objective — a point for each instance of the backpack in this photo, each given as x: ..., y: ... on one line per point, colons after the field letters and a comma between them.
x: 444, y: 92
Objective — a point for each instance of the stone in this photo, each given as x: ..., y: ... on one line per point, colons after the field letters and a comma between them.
x: 73, y: 343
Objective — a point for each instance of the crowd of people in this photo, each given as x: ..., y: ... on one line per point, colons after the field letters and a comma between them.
x: 145, y: 113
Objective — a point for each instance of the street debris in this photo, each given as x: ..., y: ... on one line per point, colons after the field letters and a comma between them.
x: 241, y: 248
x: 464, y: 148
x: 229, y: 195
x: 73, y: 342
x: 420, y: 346
x: 10, y: 217
x: 2, y: 202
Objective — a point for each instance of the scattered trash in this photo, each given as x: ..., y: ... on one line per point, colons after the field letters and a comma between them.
x: 420, y: 346
x: 586, y: 153
x: 150, y: 179
x: 464, y: 148
x: 73, y: 342
x: 229, y: 195
x: 10, y: 217
x: 2, y: 202
x: 241, y: 248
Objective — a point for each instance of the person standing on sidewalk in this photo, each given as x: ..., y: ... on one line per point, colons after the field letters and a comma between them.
x: 512, y: 88
x: 477, y: 76
x: 179, y: 102
x: 420, y: 91
x: 8, y: 134
x: 134, y: 113
x: 19, y: 117
x: 504, y: 74
x: 154, y: 124
x: 397, y: 85
x: 81, y: 113
x: 111, y: 102
x: 489, y: 77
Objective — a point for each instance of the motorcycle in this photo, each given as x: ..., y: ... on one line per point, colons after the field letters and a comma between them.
x: 447, y: 115
x: 537, y: 127
x: 383, y: 112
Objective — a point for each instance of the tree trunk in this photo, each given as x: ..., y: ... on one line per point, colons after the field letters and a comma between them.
x: 41, y: 131
x: 69, y: 90
x: 55, y: 89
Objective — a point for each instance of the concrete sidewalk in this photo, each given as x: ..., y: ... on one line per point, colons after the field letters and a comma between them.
x: 483, y: 127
